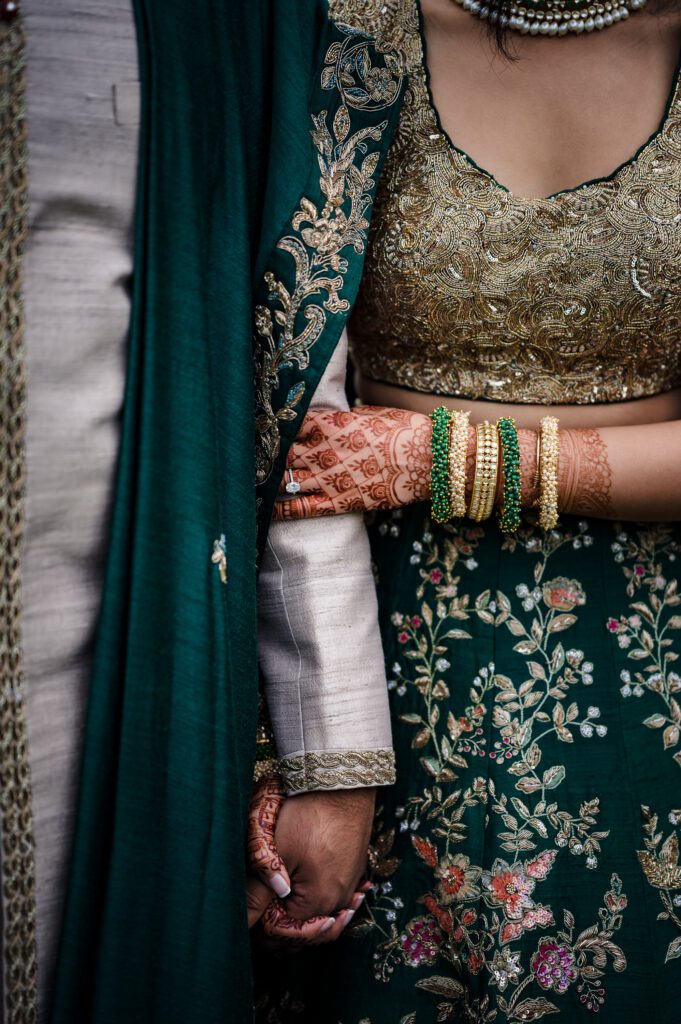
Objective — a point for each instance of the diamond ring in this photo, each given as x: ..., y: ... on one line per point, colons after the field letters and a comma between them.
x: 292, y: 487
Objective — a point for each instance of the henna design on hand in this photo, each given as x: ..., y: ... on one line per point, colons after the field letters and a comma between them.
x: 418, y: 463
x: 266, y: 801
x: 286, y: 932
x: 585, y: 474
x: 369, y: 458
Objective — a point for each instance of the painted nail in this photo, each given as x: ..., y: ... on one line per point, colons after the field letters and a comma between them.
x: 357, y: 901
x: 347, y: 917
x: 327, y: 926
x: 280, y: 886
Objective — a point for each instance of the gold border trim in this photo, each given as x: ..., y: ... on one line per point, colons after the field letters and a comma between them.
x: 18, y: 867
x: 338, y: 769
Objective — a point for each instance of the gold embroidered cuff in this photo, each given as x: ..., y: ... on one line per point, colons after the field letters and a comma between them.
x: 337, y: 769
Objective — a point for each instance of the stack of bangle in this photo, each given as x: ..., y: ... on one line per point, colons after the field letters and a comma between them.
x: 439, y: 479
x: 493, y: 441
x: 509, y: 508
x: 549, y: 450
x: 486, y: 471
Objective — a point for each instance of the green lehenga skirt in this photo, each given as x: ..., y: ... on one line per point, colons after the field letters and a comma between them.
x: 526, y: 862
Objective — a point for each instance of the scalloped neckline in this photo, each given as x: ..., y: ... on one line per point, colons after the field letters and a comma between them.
x: 673, y: 97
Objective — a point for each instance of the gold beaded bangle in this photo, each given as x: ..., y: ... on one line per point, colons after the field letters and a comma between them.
x: 536, y: 467
x: 486, y: 471
x: 458, y: 450
x: 549, y: 450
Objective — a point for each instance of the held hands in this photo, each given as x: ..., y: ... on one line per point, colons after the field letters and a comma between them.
x: 310, y: 850
x: 369, y: 458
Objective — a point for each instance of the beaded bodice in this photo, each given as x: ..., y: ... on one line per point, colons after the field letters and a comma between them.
x: 470, y: 290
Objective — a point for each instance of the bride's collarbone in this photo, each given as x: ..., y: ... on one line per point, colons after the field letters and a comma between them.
x: 566, y: 111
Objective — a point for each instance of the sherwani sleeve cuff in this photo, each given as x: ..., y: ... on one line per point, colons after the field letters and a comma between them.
x: 320, y: 647
x: 337, y: 769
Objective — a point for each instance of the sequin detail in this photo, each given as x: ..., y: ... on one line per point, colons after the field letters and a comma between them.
x: 470, y: 290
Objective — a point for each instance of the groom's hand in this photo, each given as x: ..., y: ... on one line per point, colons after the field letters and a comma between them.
x: 310, y: 834
x: 323, y: 838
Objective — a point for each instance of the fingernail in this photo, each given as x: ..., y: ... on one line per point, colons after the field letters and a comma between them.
x: 327, y: 926
x: 280, y: 886
x: 357, y: 901
x: 348, y: 916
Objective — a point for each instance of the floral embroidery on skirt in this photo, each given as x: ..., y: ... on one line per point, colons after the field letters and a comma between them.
x: 521, y: 866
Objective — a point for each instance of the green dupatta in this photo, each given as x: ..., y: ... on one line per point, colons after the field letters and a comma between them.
x: 233, y: 137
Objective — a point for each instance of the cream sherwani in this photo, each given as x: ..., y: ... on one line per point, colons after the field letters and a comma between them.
x: 320, y: 646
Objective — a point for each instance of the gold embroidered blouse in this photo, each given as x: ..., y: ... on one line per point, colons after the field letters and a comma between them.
x: 470, y: 290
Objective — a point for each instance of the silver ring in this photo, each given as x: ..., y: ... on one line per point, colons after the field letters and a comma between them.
x: 292, y: 487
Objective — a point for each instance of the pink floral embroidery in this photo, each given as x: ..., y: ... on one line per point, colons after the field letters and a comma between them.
x: 473, y: 915
x: 421, y: 941
x: 456, y: 879
x: 554, y: 965
x: 563, y: 594
x: 507, y: 886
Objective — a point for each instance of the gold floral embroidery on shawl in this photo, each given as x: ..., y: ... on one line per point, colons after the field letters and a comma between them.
x: 318, y: 238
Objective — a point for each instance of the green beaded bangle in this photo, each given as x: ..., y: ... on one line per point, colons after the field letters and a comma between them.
x: 509, y: 511
x: 441, y: 507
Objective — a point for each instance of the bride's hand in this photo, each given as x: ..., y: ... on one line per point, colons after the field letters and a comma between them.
x: 367, y: 458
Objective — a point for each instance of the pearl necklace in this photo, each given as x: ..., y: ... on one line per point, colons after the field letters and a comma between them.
x: 556, y: 17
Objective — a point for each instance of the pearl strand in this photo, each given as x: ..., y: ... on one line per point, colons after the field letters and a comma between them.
x: 560, y: 18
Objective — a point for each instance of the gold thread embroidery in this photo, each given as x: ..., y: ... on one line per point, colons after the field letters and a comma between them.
x: 470, y: 290
x: 660, y: 865
x: 643, y: 554
x: 337, y: 770
x: 321, y: 235
x: 18, y: 871
x: 265, y: 747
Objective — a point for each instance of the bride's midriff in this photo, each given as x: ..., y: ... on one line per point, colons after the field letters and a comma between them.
x: 655, y: 409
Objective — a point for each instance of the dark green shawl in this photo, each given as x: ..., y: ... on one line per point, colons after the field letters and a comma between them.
x: 155, y: 924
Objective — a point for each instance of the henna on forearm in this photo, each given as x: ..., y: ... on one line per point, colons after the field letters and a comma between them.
x: 584, y: 474
x: 568, y: 470
x: 418, y: 461
x: 376, y: 458
x: 263, y: 857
